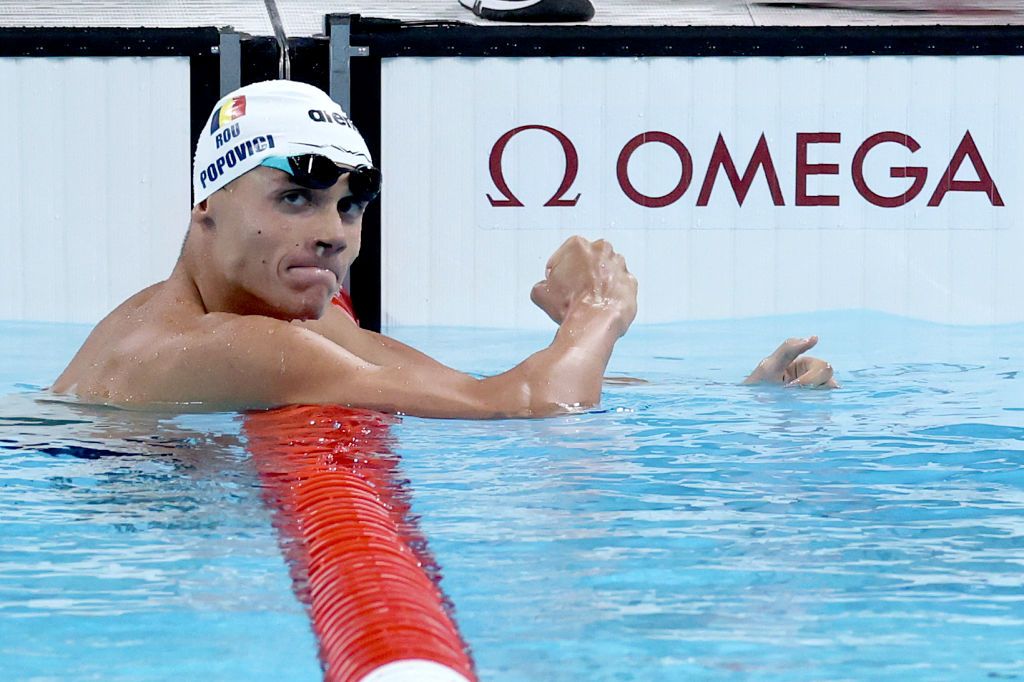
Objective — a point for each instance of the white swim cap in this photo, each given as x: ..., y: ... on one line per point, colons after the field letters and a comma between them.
x: 272, y: 118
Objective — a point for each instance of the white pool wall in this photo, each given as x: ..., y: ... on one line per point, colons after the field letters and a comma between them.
x: 450, y: 257
x: 95, y: 179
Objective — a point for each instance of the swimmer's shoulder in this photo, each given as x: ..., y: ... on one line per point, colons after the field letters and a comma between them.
x: 232, y: 362
x: 265, y: 333
x: 160, y: 346
x: 142, y: 297
x: 254, y: 343
x: 336, y: 325
x: 115, y: 344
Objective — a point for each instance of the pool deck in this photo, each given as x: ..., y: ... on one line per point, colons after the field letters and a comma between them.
x: 305, y: 17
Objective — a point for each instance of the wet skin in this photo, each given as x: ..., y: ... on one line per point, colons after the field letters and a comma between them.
x: 244, y: 322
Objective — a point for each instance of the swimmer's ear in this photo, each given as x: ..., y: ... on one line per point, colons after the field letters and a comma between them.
x: 201, y: 214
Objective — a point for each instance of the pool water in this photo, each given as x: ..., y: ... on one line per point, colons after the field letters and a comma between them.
x: 691, y: 529
x: 133, y: 547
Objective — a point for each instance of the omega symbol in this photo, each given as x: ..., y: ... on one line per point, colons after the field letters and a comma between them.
x: 572, y: 165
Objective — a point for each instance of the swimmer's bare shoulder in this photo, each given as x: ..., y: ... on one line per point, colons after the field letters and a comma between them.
x: 97, y: 356
x: 160, y: 348
x: 229, y: 361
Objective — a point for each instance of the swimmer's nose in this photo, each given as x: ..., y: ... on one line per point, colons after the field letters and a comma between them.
x: 325, y: 248
x: 329, y: 237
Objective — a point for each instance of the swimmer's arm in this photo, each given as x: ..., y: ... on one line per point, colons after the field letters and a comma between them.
x: 253, y: 362
x: 375, y: 348
x: 565, y: 375
x: 379, y: 349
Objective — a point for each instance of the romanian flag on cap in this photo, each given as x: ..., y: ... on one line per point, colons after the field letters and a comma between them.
x: 232, y: 109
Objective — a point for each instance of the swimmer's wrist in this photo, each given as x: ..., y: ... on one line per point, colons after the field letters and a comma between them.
x: 590, y: 315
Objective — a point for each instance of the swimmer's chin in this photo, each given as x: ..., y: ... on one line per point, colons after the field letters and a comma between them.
x: 301, y: 306
x: 301, y: 314
x: 313, y: 312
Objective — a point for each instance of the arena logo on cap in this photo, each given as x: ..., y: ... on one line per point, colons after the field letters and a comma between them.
x: 324, y: 116
x: 233, y: 109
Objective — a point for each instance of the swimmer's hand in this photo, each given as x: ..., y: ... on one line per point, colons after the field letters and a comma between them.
x: 583, y: 274
x: 789, y: 367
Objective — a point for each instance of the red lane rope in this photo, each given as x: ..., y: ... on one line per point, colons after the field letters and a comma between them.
x: 343, y: 300
x: 356, y: 558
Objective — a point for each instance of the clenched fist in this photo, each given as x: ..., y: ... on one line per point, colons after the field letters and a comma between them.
x: 585, y: 273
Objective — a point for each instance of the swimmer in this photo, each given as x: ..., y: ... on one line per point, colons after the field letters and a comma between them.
x: 281, y: 181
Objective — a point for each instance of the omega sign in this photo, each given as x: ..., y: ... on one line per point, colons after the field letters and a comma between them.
x: 926, y: 186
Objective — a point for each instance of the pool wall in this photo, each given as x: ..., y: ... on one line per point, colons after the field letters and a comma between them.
x: 742, y: 170
x: 735, y: 186
x: 95, y: 178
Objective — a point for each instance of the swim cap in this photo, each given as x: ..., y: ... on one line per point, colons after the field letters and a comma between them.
x: 272, y: 118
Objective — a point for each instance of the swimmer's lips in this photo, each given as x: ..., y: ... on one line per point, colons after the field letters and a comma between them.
x: 307, y: 274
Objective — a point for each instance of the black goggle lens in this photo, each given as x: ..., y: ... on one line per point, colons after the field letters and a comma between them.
x: 319, y: 172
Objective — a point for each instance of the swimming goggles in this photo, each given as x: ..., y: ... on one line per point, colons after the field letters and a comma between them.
x: 319, y: 172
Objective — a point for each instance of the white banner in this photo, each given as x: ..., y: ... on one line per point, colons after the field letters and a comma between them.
x: 891, y: 183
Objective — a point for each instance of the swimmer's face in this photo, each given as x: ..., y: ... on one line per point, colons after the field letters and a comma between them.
x: 282, y: 249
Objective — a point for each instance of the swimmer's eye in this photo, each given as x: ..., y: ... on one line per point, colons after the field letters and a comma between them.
x: 349, y: 207
x: 297, y: 198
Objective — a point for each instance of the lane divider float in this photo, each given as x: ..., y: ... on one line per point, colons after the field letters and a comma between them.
x: 357, y: 559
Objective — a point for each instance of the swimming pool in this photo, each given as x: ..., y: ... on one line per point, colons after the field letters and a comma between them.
x: 133, y: 548
x: 691, y: 529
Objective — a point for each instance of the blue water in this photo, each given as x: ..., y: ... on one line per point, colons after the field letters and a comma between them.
x: 133, y: 547
x: 692, y: 529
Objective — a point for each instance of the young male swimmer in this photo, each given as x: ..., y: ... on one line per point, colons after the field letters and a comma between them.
x: 281, y: 181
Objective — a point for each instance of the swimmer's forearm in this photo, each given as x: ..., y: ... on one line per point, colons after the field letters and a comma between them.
x: 566, y: 375
x: 569, y: 373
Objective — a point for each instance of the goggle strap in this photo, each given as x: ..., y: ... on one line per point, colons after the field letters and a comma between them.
x: 279, y: 162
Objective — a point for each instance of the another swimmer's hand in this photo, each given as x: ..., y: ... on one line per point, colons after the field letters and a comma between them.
x: 786, y: 366
x: 582, y: 273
